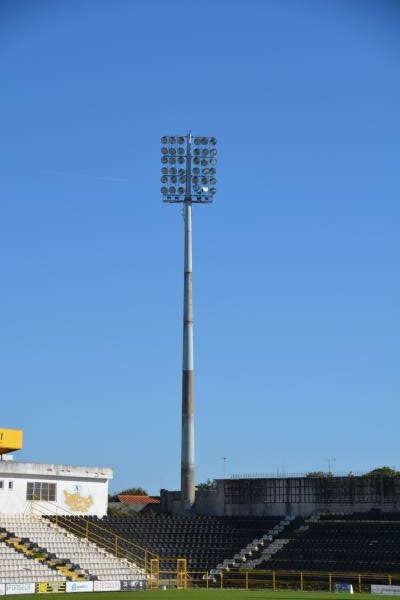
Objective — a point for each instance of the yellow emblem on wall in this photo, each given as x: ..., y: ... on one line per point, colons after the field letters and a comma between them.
x: 78, y: 503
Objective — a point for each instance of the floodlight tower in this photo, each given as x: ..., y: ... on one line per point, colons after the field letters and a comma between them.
x: 188, y: 177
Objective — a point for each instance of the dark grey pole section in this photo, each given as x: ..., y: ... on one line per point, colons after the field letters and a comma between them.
x: 187, y: 451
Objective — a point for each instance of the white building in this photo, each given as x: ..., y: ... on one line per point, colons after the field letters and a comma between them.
x: 33, y: 488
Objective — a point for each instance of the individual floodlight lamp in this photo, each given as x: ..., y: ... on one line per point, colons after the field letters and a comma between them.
x: 188, y: 176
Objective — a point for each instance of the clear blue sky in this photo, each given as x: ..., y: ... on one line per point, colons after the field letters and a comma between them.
x: 296, y: 275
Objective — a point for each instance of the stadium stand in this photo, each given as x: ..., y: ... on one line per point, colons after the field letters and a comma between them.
x: 363, y: 543
x: 358, y: 542
x: 205, y: 541
x: 76, y: 558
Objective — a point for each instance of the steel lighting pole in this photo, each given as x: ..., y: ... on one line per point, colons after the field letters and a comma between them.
x: 188, y: 177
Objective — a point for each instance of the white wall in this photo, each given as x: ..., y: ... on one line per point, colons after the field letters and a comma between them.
x: 79, y: 490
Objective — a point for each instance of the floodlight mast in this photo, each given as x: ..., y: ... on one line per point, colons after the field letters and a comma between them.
x: 187, y: 441
x: 191, y: 193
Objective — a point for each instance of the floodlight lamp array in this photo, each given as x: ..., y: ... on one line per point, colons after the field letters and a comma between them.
x: 188, y: 168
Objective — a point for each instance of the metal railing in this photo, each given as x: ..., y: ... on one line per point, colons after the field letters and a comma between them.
x: 308, y: 475
x: 98, y: 534
x: 161, y: 571
x: 290, y: 580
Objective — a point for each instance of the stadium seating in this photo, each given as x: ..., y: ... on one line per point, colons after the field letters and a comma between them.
x: 256, y: 551
x: 204, y: 540
x: 85, y: 559
x: 17, y: 568
x: 336, y: 543
x: 359, y: 542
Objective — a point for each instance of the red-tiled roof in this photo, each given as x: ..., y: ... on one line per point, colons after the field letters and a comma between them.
x: 136, y: 499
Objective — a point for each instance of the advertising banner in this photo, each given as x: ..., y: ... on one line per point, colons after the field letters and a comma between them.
x: 20, y: 588
x: 386, y: 590
x: 133, y: 585
x: 107, y: 586
x: 50, y: 587
x: 2, y: 589
x: 79, y: 586
x: 343, y: 587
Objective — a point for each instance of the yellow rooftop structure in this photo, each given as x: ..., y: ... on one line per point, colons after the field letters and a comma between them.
x: 10, y: 440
